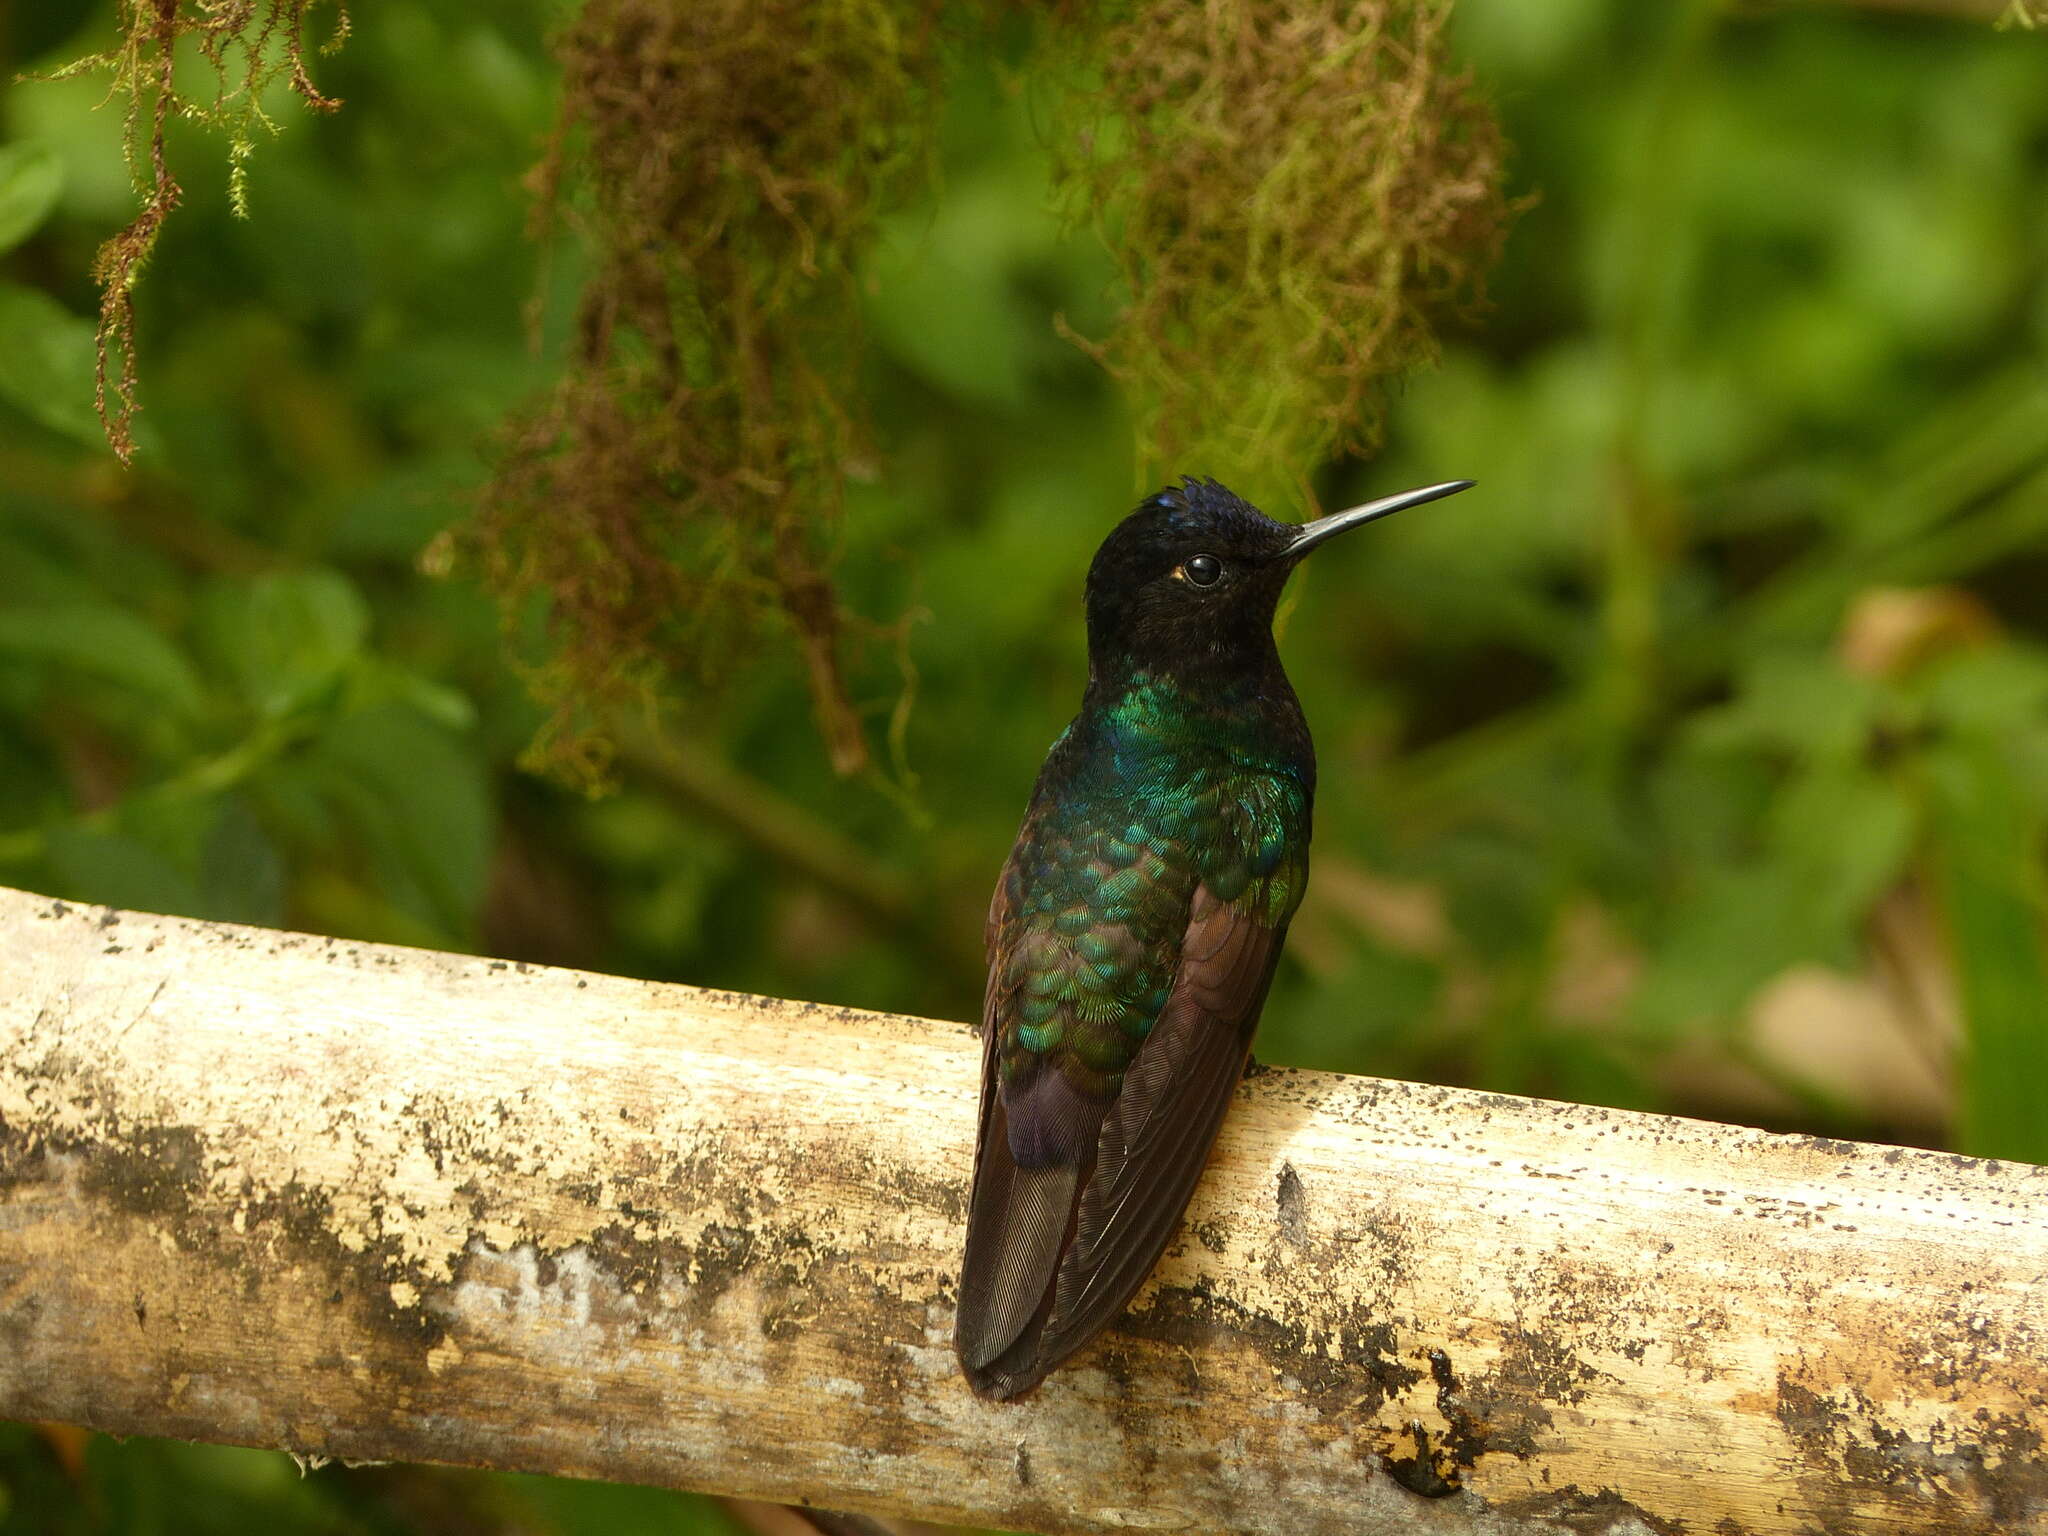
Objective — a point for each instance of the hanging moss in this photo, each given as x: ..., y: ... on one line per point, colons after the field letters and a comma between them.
x: 725, y: 161
x: 1296, y: 192
x: 249, y: 43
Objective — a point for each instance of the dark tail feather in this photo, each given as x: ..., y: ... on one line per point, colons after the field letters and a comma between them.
x: 1018, y: 1226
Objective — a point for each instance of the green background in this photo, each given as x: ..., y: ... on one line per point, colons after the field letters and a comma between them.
x: 1697, y: 761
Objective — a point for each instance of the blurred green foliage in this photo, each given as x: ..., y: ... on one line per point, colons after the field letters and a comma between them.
x: 56, y: 1484
x: 1734, y: 669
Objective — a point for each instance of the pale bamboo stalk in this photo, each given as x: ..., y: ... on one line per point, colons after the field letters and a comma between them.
x: 367, y: 1202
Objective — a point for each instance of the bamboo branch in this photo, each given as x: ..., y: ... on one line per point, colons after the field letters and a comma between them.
x: 369, y: 1202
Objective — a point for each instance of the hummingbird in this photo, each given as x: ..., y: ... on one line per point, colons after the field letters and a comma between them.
x: 1135, y: 928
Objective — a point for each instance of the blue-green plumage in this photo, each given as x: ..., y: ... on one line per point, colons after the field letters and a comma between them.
x: 1136, y: 925
x: 1153, y: 792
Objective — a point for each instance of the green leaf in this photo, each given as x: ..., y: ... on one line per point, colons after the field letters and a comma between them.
x: 420, y: 799
x: 942, y: 302
x: 1725, y: 936
x: 100, y: 640
x: 1383, y: 1007
x: 1993, y: 689
x: 1808, y: 703
x: 119, y: 871
x: 1838, y: 836
x: 379, y: 681
x: 1841, y: 834
x: 285, y: 638
x: 31, y: 176
x: 241, y: 875
x: 50, y: 365
x: 1986, y: 847
x: 161, y: 1487
x: 559, y: 1505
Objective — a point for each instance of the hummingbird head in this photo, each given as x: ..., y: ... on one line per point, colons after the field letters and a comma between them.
x: 1191, y: 578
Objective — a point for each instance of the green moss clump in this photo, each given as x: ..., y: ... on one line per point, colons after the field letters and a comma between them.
x: 1296, y: 191
x: 249, y: 43
x: 725, y: 162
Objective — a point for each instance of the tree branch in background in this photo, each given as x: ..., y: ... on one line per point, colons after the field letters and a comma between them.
x: 885, y: 900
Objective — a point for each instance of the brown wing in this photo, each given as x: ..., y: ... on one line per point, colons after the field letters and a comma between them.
x: 1104, y: 1221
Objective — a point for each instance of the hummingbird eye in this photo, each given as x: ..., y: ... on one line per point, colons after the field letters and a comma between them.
x: 1202, y: 570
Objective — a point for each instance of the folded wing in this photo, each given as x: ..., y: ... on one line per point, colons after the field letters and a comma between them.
x: 1059, y: 1238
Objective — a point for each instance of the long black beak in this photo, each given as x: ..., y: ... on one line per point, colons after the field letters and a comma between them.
x: 1326, y: 528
